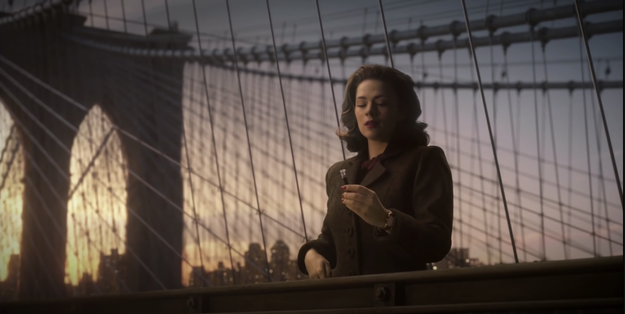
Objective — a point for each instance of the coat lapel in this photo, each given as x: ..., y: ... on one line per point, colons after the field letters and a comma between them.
x: 375, y: 173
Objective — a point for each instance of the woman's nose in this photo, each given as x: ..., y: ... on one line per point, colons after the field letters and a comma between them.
x: 372, y: 110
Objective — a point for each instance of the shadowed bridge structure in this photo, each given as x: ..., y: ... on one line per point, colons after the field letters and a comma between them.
x: 186, y: 155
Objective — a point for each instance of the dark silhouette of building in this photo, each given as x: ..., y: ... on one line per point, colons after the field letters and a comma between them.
x: 112, y: 272
x: 196, y: 278
x: 255, y: 268
x: 86, y: 285
x: 281, y: 268
x: 8, y: 287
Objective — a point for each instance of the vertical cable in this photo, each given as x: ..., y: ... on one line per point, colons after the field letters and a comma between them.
x: 325, y: 57
x: 588, y: 163
x: 495, y: 106
x: 106, y: 14
x: 364, y: 21
x: 599, y: 102
x: 424, y: 73
x: 90, y: 13
x: 247, y: 135
x: 286, y: 118
x: 388, y: 44
x: 443, y: 102
x: 457, y: 124
x: 555, y: 155
x: 601, y: 179
x: 540, y: 156
x: 210, y: 118
x: 124, y: 16
x: 490, y: 131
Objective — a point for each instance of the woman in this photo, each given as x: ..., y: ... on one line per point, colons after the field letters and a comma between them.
x: 396, y: 212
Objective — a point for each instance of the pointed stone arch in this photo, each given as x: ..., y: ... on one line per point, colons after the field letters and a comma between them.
x: 11, y: 203
x: 96, y: 208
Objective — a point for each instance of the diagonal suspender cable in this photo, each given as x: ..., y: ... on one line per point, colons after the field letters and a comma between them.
x: 247, y: 135
x: 286, y: 117
x: 11, y: 159
x: 91, y: 162
x: 388, y: 44
x: 325, y: 58
x: 599, y: 102
x: 490, y: 131
x: 214, y: 142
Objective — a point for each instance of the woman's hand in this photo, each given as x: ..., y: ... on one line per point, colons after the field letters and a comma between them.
x: 317, y: 266
x: 364, y: 203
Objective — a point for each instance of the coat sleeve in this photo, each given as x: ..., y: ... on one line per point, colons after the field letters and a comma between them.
x: 426, y: 234
x: 324, y: 244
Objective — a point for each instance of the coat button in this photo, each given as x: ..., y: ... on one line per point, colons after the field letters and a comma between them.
x: 351, y: 252
x: 349, y: 230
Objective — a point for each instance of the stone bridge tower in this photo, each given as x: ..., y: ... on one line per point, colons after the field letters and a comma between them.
x: 38, y: 48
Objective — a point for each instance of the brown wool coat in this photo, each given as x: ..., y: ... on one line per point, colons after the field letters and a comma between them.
x: 412, y: 181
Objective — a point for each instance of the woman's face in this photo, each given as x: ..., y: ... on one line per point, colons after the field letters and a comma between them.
x: 377, y: 110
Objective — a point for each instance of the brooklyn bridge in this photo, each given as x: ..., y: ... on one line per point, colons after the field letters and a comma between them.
x: 169, y: 156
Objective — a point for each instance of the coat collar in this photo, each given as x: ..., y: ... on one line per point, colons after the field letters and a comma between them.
x: 394, y: 148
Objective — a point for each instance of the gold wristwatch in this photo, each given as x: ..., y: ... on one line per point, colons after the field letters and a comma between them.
x: 389, y: 224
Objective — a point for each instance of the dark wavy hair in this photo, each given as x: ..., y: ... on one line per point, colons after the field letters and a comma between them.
x: 403, y: 87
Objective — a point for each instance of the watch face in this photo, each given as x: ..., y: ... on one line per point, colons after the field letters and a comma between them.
x: 390, y: 221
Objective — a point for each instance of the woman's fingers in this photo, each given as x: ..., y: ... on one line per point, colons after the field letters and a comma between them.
x: 359, y: 189
x: 328, y: 270
x: 318, y: 267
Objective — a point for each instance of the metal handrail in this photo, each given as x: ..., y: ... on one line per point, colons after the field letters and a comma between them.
x: 583, y: 283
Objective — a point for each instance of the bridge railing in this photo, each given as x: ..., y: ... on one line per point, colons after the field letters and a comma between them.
x: 592, y: 285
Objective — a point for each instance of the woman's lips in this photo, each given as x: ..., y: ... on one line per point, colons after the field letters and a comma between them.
x: 371, y: 124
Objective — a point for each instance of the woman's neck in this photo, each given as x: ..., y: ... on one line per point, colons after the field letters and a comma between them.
x: 376, y: 148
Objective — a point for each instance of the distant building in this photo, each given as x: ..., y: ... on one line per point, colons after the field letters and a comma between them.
x: 112, y: 272
x: 86, y: 285
x: 221, y: 276
x: 8, y: 288
x: 282, y: 268
x: 255, y: 264
x: 279, y: 267
x: 196, y: 278
x: 254, y: 270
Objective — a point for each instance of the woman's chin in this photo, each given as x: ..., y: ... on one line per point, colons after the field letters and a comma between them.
x: 376, y: 137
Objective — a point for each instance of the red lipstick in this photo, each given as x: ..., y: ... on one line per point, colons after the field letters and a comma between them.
x: 371, y: 124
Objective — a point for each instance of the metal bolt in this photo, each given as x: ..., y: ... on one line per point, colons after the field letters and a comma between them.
x: 191, y: 303
x: 382, y: 293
